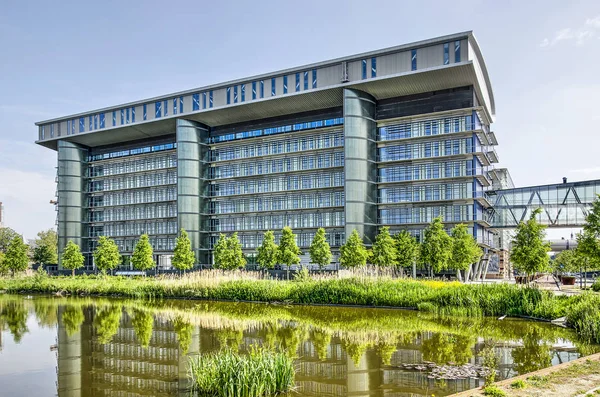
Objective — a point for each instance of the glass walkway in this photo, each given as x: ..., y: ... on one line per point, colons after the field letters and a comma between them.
x: 563, y: 205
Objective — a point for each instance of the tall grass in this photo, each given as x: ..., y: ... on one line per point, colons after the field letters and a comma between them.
x: 228, y: 374
x: 584, y: 317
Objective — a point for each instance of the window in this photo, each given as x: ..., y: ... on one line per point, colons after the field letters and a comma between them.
x: 145, y: 115
x: 228, y: 95
x: 81, y: 124
x: 166, y: 107
x: 364, y: 69
x: 273, y: 90
x: 373, y: 67
x: 133, y: 115
x: 306, y: 80
x: 122, y: 116
x: 446, y: 53
x: 195, y: 102
x: 90, y: 122
x: 175, y: 106
x: 253, y: 90
x: 314, y: 78
x: 181, y: 104
x: 127, y: 116
x: 262, y: 88
x: 114, y: 118
x: 235, y: 94
x: 51, y: 130
x: 457, y: 51
x: 297, y: 82
x: 204, y: 100
x: 43, y: 133
x: 102, y: 121
x: 243, y: 93
x: 73, y: 127
x: 157, y: 109
x: 285, y: 84
x: 413, y: 60
x: 210, y: 99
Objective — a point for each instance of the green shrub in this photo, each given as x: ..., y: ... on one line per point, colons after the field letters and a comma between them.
x: 518, y: 384
x: 596, y: 286
x: 493, y: 391
x: 584, y: 317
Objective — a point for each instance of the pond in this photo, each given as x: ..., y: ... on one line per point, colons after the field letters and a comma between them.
x: 105, y: 347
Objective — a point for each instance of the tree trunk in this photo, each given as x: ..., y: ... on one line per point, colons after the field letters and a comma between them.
x: 458, y: 275
x: 73, y: 270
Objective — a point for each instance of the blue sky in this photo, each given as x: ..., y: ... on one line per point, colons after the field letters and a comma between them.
x: 59, y: 58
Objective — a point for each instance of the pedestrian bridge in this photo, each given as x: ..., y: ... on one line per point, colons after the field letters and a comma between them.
x: 563, y: 204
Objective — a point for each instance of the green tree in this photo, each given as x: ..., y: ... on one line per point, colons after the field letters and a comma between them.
x: 107, y: 255
x: 587, y: 251
x: 384, y: 249
x: 142, y: 323
x: 238, y: 261
x: 46, y: 251
x: 529, y: 252
x: 407, y: 249
x: 228, y: 253
x: 288, y: 252
x: 16, y: 259
x: 436, y: 250
x: 183, y: 329
x: 566, y: 261
x: 6, y: 236
x: 220, y: 254
x: 320, y: 252
x: 72, y: 257
x: 183, y: 256
x: 143, y: 255
x: 3, y: 268
x: 267, y: 252
x: 353, y: 253
x: 465, y: 250
x: 107, y: 322
x: 72, y: 318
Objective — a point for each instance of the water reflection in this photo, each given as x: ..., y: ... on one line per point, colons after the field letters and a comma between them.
x: 126, y: 348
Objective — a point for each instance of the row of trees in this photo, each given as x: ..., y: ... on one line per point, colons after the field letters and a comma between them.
x: 15, y: 255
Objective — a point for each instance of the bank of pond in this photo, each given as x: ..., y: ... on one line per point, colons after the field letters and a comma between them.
x: 95, y: 345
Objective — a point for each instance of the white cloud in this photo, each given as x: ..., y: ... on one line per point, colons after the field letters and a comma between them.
x: 589, y: 30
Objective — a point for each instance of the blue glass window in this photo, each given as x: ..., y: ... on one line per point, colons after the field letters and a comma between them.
x: 306, y: 80
x: 145, y: 115
x: 133, y: 115
x: 195, y: 102
x: 413, y: 60
x: 373, y: 67
x: 253, y: 90
x: 157, y: 109
x: 166, y: 108
x: 52, y: 130
x: 122, y: 116
x: 262, y: 88
x: 102, y: 120
x: 91, y: 122
x: 73, y: 127
x: 175, y: 106
x: 243, y: 92
x: 95, y: 121
x: 273, y: 91
x: 235, y: 96
x: 181, y: 104
x: 314, y: 78
x: 127, y: 116
x: 204, y: 100
x: 285, y: 84
x: 81, y: 124
x: 114, y: 118
x: 457, y: 51
x: 228, y: 95
x: 364, y: 69
x: 210, y: 99
x: 446, y: 53
x: 297, y: 82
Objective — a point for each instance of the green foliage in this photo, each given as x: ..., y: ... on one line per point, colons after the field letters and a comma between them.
x: 107, y: 322
x: 228, y: 253
x: 353, y: 252
x: 320, y: 252
x: 72, y: 318
x: 321, y: 340
x: 436, y: 250
x: 183, y: 256
x: 588, y: 249
x: 15, y: 258
x: 72, y: 257
x: 142, y: 322
x: 228, y: 374
x: 566, y: 261
x: 529, y: 252
x: 407, y: 249
x: 518, y: 384
x: 465, y: 250
x: 584, y: 317
x: 107, y: 255
x: 3, y: 268
x: 302, y: 275
x: 14, y: 314
x: 491, y: 361
x: 288, y: 251
x: 6, y: 236
x: 143, y: 255
x: 384, y: 249
x: 183, y: 330
x: 267, y: 252
x: 493, y: 391
x: 596, y: 286
x: 46, y: 247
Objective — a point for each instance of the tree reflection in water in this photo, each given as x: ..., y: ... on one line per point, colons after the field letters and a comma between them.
x: 142, y: 322
x: 14, y: 315
x: 72, y: 318
x: 107, y: 322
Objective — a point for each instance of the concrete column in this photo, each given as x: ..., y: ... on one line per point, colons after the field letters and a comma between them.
x: 360, y: 170
x: 69, y: 360
x: 71, y: 196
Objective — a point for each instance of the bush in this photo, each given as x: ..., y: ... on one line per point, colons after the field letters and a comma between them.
x: 493, y: 391
x: 518, y: 384
x: 584, y: 317
x: 596, y: 286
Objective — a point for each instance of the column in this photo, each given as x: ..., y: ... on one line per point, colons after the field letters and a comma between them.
x: 192, y: 156
x: 360, y: 153
x: 69, y: 360
x: 71, y: 196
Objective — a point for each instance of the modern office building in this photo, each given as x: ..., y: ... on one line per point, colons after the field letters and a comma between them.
x: 392, y: 137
